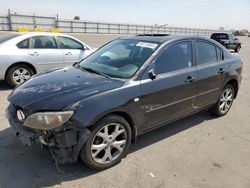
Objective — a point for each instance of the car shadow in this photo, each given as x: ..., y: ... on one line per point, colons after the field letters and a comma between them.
x: 4, y: 86
x: 33, y: 167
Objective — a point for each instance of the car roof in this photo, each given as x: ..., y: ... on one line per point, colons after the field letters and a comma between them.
x: 39, y: 33
x: 19, y: 36
x: 160, y: 38
x: 222, y: 33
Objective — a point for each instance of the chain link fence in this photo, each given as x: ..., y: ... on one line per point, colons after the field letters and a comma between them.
x: 11, y: 22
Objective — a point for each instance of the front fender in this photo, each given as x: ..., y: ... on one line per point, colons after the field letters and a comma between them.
x: 89, y: 110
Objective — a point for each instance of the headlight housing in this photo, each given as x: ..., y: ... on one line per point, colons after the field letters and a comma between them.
x: 47, y: 120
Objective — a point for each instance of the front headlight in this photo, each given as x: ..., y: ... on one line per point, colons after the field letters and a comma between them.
x: 47, y: 120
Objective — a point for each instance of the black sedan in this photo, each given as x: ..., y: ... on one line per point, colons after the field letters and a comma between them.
x: 95, y: 109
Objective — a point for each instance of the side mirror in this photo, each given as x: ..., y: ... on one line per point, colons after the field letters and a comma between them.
x: 82, y: 48
x: 151, y: 74
x: 236, y: 39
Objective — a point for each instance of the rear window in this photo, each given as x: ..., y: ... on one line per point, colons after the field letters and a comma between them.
x: 206, y: 53
x: 219, y: 36
x: 6, y: 37
x: 23, y: 44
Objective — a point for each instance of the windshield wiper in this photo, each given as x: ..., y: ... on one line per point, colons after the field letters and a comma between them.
x: 93, y: 71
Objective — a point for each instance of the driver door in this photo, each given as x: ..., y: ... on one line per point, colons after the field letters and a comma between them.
x: 173, y: 91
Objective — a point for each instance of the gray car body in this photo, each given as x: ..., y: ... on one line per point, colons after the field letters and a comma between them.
x: 144, y: 102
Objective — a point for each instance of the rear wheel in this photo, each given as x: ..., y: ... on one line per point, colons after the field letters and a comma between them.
x: 18, y: 74
x: 237, y: 49
x: 225, y: 102
x: 107, y: 144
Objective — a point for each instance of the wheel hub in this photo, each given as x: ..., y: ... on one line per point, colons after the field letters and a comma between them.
x: 20, y: 75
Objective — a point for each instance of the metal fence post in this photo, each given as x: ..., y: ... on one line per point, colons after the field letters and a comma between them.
x: 9, y: 19
x: 71, y: 26
x: 97, y: 27
x: 34, y: 21
x: 85, y: 27
x: 56, y: 21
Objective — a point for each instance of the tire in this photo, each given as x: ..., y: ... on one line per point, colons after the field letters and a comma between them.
x: 225, y: 98
x: 237, y: 49
x: 111, y: 135
x: 18, y: 74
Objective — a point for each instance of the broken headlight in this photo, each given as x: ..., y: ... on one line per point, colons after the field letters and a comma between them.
x: 47, y: 120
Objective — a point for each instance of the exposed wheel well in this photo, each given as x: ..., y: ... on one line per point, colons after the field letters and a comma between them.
x: 234, y: 83
x: 21, y: 63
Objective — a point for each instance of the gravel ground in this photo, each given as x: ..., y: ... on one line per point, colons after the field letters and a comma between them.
x: 198, y: 151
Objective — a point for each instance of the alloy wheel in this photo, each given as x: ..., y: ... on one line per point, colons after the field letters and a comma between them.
x: 109, y: 143
x: 226, y: 100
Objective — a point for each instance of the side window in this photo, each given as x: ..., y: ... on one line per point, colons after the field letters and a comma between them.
x: 206, y: 53
x: 43, y: 42
x: 23, y: 44
x: 68, y: 43
x: 223, y: 36
x: 219, y: 54
x: 176, y: 57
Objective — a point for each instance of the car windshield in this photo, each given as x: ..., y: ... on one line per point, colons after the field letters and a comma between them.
x: 6, y: 37
x: 120, y: 58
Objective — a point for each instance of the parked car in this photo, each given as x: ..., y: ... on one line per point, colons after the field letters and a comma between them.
x: 97, y: 107
x: 23, y: 55
x: 228, y: 40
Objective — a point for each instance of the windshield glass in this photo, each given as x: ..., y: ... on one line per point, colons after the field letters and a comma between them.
x: 6, y: 37
x: 120, y: 58
x: 219, y: 36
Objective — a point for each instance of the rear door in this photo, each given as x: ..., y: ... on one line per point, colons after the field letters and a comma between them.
x: 211, y: 70
x: 73, y: 50
x: 45, y: 53
x: 172, y: 93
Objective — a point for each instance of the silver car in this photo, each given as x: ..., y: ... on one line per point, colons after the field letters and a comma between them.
x: 25, y: 54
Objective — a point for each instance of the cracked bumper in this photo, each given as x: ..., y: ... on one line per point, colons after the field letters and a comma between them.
x: 65, y: 142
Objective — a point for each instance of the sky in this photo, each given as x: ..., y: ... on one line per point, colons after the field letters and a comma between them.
x: 205, y: 14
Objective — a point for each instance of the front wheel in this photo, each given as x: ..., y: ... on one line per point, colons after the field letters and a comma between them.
x: 225, y: 102
x: 18, y: 74
x: 107, y: 144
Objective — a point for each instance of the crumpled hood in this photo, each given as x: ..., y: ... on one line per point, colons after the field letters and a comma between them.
x: 55, y: 90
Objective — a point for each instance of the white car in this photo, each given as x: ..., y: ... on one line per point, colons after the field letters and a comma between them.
x: 25, y: 54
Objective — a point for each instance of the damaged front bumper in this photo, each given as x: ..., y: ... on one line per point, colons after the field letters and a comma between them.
x: 64, y: 142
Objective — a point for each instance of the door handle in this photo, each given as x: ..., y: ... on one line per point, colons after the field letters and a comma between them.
x: 68, y: 53
x: 34, y: 54
x: 190, y: 79
x: 221, y: 71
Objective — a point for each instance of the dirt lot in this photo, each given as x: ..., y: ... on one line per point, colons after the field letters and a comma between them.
x: 198, y: 151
